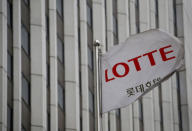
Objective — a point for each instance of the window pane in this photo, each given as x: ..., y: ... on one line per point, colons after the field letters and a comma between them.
x: 48, y: 122
x: 9, y: 118
x: 47, y: 27
x: 25, y: 39
x: 25, y: 90
x: 26, y: 2
x: 60, y: 7
x: 48, y: 75
x: 60, y: 96
x: 9, y: 65
x: 140, y: 110
x: 90, y: 58
x: 23, y: 129
x: 9, y: 14
x: 115, y: 29
x: 60, y: 50
x: 118, y: 113
x: 89, y: 16
x: 91, y: 101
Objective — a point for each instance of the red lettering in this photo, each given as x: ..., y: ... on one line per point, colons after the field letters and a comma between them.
x: 106, y: 76
x: 136, y: 62
x: 114, y: 69
x: 163, y: 53
x: 151, y: 58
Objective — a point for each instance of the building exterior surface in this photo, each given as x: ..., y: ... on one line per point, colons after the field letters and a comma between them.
x: 47, y: 67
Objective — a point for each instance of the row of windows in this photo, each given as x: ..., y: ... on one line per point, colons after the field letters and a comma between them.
x: 9, y: 67
x: 25, y: 43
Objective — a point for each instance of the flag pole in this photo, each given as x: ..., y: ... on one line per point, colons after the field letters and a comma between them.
x: 97, y: 51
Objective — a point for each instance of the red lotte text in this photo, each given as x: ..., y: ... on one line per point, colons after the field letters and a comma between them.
x: 135, y: 60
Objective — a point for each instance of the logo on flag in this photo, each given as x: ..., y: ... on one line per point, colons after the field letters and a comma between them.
x: 133, y: 68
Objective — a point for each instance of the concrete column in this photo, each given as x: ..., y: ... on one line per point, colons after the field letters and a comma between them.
x: 182, y: 75
x: 148, y: 114
x: 132, y: 23
x: 109, y: 21
x: 175, y: 103
x: 123, y: 20
x: 163, y: 15
x: 187, y: 9
x: 123, y: 34
x: 110, y: 42
x: 156, y: 106
x: 152, y: 14
x: 17, y: 91
x: 174, y: 83
x: 144, y: 15
x: 38, y: 66
x: 155, y: 92
x: 84, y: 65
x: 171, y: 16
x: 53, y: 65
x: 184, y: 102
x: 166, y: 86
x: 71, y: 66
x: 132, y: 15
x: 3, y: 65
x: 180, y: 19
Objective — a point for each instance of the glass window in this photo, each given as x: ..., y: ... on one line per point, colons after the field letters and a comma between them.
x: 9, y: 66
x: 137, y: 17
x: 115, y: 27
x: 47, y: 27
x: 160, y: 108
x: 23, y: 128
x: 114, y: 4
x: 60, y: 50
x: 48, y: 75
x: 9, y: 14
x: 25, y: 90
x: 141, y: 114
x: 90, y: 58
x: 89, y: 15
x: 91, y: 102
x: 60, y: 7
x: 156, y: 14
x: 26, y: 2
x: 9, y: 119
x: 25, y: 39
x: 118, y: 112
x: 48, y: 122
x: 60, y: 96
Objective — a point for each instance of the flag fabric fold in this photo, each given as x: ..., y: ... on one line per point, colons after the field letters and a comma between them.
x: 134, y: 67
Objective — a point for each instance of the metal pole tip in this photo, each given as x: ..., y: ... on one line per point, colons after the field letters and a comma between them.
x: 97, y: 43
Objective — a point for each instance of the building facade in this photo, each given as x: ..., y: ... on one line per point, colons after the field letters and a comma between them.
x: 47, y: 67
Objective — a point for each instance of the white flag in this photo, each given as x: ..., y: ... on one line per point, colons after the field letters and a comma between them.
x: 133, y: 68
